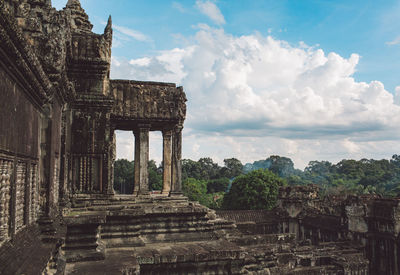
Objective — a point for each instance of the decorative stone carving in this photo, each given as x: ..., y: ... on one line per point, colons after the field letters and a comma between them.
x: 148, y: 100
x: 34, y: 208
x: 6, y: 168
x: 87, y: 176
x: 20, y: 184
x: 56, y: 179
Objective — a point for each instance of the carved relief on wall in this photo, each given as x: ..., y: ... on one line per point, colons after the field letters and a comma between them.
x: 148, y: 100
x: 56, y: 179
x: 91, y: 46
x: 20, y: 195
x: 87, y: 174
x: 6, y: 170
x: 34, y: 207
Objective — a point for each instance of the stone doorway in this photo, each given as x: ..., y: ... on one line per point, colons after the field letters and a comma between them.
x: 170, y: 141
x: 124, y: 168
x: 155, y: 165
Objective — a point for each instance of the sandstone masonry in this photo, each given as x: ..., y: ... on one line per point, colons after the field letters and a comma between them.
x: 59, y: 111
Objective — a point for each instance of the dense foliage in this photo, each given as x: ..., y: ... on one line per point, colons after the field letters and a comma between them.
x: 123, y: 176
x: 124, y: 171
x: 365, y: 176
x: 207, y: 182
x: 256, y: 190
x: 196, y: 190
x: 206, y: 169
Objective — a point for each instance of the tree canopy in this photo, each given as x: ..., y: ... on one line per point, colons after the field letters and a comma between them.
x: 124, y: 176
x: 239, y: 186
x: 256, y: 190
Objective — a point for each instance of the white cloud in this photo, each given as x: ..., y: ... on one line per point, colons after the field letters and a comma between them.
x: 350, y: 146
x: 397, y: 95
x: 253, y: 96
x: 145, y: 61
x: 396, y: 41
x: 137, y: 35
x: 178, y: 6
x: 211, y: 10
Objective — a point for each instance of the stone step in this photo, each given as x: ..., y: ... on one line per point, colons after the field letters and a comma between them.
x: 120, y: 234
x: 175, y: 230
x: 80, y: 245
x: 84, y: 255
x: 133, y: 241
x: 119, y: 228
x: 81, y: 238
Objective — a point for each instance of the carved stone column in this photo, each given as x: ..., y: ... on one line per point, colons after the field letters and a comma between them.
x: 176, y: 186
x: 143, y: 159
x: 137, y: 163
x: 167, y: 161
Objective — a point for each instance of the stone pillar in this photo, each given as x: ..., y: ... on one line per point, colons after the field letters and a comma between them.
x: 137, y: 164
x: 396, y: 256
x: 176, y: 186
x: 143, y: 159
x: 28, y: 193
x: 167, y: 161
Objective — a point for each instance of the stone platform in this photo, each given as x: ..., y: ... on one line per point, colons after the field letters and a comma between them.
x: 213, y: 257
x: 170, y: 235
x: 98, y: 223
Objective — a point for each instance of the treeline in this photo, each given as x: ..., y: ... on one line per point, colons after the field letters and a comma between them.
x: 204, y: 180
x: 209, y: 183
x: 365, y: 176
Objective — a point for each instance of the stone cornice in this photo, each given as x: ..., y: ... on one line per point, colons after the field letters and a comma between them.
x: 95, y: 101
x: 22, y: 61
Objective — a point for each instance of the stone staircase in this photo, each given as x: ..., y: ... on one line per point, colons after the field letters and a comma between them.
x: 96, y: 223
x: 164, y: 235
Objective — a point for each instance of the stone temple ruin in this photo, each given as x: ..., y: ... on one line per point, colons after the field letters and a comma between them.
x: 58, y: 211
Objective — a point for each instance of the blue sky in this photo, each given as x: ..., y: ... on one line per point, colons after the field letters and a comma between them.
x: 305, y: 79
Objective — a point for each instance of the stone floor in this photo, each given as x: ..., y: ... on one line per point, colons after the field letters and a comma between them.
x: 214, y: 257
x: 118, y: 261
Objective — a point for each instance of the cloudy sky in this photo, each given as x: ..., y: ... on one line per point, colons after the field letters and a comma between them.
x: 309, y: 79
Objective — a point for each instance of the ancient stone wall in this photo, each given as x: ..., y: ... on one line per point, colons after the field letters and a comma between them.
x: 6, y: 171
x: 23, y: 92
x: 148, y: 101
x: 253, y: 221
x: 369, y: 220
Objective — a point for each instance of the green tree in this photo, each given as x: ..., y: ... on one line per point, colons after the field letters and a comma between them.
x: 255, y: 190
x: 209, y: 169
x: 217, y: 185
x: 319, y: 167
x: 281, y: 166
x: 194, y: 189
x: 123, y: 176
x: 191, y: 169
x: 155, y: 176
x: 233, y: 168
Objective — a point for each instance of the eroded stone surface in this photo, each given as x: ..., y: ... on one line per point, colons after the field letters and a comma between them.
x: 58, y: 211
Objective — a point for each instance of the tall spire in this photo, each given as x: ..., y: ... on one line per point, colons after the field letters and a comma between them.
x: 80, y: 20
x: 108, y: 29
x: 108, y: 39
x: 73, y: 2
